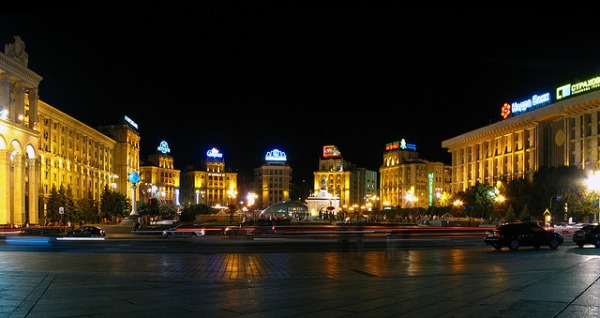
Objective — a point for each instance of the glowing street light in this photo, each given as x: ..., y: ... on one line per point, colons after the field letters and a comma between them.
x: 593, y: 183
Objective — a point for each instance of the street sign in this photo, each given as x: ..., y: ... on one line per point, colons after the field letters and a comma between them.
x: 61, y: 210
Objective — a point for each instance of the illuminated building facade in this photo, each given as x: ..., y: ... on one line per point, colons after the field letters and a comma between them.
x: 211, y: 186
x: 43, y: 148
x: 546, y: 130
x: 272, y: 180
x: 351, y: 185
x: 406, y: 181
x: 159, y: 180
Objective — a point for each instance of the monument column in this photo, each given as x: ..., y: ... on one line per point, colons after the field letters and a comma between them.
x: 34, y: 177
x: 5, y: 186
x: 20, y: 102
x: 4, y: 94
x: 33, y: 107
x: 19, y: 189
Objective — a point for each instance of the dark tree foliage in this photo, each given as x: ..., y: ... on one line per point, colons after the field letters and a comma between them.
x: 188, y: 214
x: 480, y: 200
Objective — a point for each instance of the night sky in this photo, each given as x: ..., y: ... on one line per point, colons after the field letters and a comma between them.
x: 248, y: 77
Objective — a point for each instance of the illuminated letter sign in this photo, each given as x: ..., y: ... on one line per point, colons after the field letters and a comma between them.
x: 214, y: 153
x: 526, y: 105
x: 164, y: 147
x: 131, y: 122
x: 430, y: 179
x: 404, y: 145
x: 331, y: 152
x: 577, y: 88
x: 392, y: 145
x: 400, y: 145
x: 275, y: 155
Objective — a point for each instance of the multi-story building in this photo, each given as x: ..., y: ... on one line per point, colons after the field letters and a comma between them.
x: 210, y: 185
x: 560, y: 127
x: 159, y: 180
x: 272, y: 180
x: 407, y: 181
x: 42, y: 148
x: 353, y: 186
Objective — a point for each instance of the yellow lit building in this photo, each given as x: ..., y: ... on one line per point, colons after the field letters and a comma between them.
x: 349, y: 184
x: 159, y: 179
x: 560, y: 127
x: 407, y: 181
x: 273, y: 180
x: 212, y: 186
x: 42, y: 147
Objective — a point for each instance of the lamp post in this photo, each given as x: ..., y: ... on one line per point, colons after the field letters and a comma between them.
x: 593, y: 183
x: 134, y: 178
x: 114, y: 182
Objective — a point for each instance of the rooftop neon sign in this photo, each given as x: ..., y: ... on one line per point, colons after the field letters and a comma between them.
x: 524, y: 106
x: 214, y: 153
x: 275, y: 155
x: 131, y: 122
x: 400, y: 145
x: 163, y: 147
x: 577, y: 88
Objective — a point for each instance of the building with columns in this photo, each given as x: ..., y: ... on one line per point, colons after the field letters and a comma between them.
x: 272, y: 181
x: 352, y: 186
x: 560, y: 127
x: 42, y: 148
x: 211, y: 184
x: 407, y: 181
x: 159, y: 179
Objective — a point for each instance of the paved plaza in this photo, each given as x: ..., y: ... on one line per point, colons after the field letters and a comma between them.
x: 422, y: 282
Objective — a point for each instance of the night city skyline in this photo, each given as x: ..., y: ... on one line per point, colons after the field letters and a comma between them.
x: 247, y: 77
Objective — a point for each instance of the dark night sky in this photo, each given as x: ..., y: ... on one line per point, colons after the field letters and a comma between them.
x: 248, y: 77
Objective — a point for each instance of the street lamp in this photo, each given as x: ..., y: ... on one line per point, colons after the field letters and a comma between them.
x: 114, y: 182
x: 593, y: 183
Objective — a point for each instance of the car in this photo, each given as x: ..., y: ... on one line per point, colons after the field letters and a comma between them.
x: 87, y: 231
x: 515, y: 235
x: 588, y: 234
x: 187, y: 231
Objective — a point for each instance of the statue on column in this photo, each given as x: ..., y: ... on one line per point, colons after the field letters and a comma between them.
x: 16, y: 51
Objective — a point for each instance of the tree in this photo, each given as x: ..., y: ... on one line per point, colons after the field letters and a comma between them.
x: 54, y: 204
x: 114, y: 205
x: 188, y: 214
x: 524, y: 216
x: 510, y: 216
x: 88, y: 209
x: 481, y: 198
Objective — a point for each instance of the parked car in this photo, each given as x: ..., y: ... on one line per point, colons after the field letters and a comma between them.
x: 188, y: 231
x: 588, y: 234
x: 87, y: 231
x: 515, y: 235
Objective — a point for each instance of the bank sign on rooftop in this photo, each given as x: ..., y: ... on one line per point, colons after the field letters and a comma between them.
x: 540, y: 100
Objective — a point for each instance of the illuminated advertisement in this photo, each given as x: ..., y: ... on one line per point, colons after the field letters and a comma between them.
x: 131, y: 122
x: 524, y: 106
x: 400, y: 145
x: 163, y: 147
x: 536, y: 101
x: 577, y: 88
x: 331, y: 152
x: 275, y: 155
x: 214, y: 153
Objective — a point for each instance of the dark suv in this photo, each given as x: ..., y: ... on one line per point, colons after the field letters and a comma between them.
x: 515, y: 235
x: 588, y: 234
